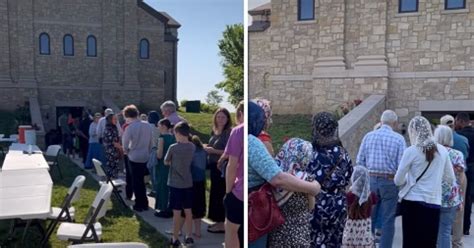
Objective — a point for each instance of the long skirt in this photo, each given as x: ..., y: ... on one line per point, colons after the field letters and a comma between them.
x: 94, y: 151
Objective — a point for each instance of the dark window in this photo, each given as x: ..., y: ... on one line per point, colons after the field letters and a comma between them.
x: 44, y: 44
x: 305, y: 10
x: 144, y: 49
x: 91, y: 46
x: 68, y: 45
x: 454, y: 4
x: 408, y: 6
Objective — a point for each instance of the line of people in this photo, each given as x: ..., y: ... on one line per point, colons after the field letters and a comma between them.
x: 165, y: 150
x: 329, y: 202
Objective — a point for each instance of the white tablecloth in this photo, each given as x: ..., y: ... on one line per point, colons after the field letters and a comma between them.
x: 16, y: 159
x: 8, y: 140
x: 25, y: 194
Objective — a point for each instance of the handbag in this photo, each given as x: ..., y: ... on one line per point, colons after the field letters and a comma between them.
x: 264, y: 214
x: 399, y: 210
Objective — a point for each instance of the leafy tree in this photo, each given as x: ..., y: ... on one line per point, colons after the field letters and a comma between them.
x: 213, y: 98
x: 232, y: 50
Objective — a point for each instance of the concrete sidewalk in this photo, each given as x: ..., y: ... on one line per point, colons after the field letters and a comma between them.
x: 208, y: 240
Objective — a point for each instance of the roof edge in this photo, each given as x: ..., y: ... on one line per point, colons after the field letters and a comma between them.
x: 158, y: 15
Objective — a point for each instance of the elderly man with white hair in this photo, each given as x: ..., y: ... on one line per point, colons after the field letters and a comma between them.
x: 380, y: 152
x: 168, y: 110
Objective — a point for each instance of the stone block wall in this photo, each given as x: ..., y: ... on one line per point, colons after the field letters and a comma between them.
x: 432, y: 39
x: 361, y: 120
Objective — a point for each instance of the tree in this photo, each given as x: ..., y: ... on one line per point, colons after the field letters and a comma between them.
x: 232, y: 50
x: 213, y: 98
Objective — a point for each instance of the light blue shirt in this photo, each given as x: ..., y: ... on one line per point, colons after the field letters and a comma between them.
x: 262, y: 167
x: 461, y: 144
x: 381, y: 150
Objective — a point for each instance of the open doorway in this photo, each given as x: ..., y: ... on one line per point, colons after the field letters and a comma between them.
x: 434, y: 116
x: 76, y: 112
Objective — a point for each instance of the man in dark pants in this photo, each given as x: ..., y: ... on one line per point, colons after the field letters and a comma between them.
x: 463, y: 128
x: 83, y: 134
x: 137, y: 143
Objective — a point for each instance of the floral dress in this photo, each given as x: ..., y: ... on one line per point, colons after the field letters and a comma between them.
x: 451, y: 193
x: 112, y: 154
x: 329, y: 217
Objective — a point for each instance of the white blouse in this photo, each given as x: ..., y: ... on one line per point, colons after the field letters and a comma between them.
x: 428, y: 188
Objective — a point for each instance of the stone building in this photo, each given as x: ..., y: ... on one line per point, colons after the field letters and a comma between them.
x: 68, y: 55
x: 312, y: 55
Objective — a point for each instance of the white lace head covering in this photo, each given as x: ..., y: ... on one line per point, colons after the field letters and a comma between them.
x: 360, y: 183
x: 420, y: 133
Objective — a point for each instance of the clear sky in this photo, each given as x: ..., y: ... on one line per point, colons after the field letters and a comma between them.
x: 202, y: 23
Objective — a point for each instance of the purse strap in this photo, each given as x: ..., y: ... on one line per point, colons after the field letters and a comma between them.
x: 328, y: 176
x: 417, y: 179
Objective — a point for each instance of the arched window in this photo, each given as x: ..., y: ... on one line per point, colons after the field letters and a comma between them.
x: 91, y: 46
x: 44, y: 44
x: 68, y: 45
x: 144, y: 49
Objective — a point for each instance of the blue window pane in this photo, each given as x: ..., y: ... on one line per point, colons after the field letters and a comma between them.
x: 91, y: 46
x: 408, y: 5
x: 68, y: 45
x: 44, y: 44
x: 455, y: 4
x: 144, y: 49
x: 306, y: 10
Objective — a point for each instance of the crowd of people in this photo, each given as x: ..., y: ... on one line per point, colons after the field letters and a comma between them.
x: 326, y: 200
x: 161, y: 146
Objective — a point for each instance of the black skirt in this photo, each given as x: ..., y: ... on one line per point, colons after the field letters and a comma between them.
x: 199, y: 200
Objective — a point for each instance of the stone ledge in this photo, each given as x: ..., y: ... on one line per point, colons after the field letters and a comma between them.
x: 432, y: 74
x: 454, y: 11
x: 446, y: 105
x: 409, y: 14
x: 350, y: 121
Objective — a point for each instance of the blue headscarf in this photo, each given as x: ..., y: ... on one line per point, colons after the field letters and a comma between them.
x: 256, y: 119
x: 153, y: 117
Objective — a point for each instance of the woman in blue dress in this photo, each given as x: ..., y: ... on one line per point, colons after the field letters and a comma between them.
x: 332, y: 168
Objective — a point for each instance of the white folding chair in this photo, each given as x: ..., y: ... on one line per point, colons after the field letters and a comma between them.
x: 66, y: 212
x: 116, y: 183
x: 111, y: 245
x: 52, y: 157
x: 91, y: 230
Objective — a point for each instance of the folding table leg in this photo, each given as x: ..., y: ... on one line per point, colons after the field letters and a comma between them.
x: 28, y: 223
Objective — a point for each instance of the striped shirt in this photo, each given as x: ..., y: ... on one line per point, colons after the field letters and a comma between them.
x: 381, y: 150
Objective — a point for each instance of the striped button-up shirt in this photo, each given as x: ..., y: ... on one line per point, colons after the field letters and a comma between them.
x: 381, y: 150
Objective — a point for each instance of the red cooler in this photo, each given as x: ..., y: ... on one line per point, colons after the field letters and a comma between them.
x: 21, y: 133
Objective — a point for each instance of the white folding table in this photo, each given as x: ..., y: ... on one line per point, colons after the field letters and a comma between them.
x: 17, y: 158
x: 25, y: 194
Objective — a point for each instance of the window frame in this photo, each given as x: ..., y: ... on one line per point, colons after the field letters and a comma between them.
x: 411, y: 11
x: 140, y: 49
x: 95, y: 46
x: 48, y: 43
x: 446, y: 5
x: 299, y: 12
x: 64, y: 45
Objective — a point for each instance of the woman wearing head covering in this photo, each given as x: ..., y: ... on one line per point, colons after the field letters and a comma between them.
x: 423, y: 167
x: 332, y: 168
x: 264, y: 136
x: 358, y: 228
x: 293, y: 158
x: 263, y: 168
x: 452, y: 199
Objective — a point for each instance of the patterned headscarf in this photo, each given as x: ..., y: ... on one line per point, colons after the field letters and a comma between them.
x: 325, y: 130
x: 420, y: 133
x: 294, y: 156
x: 265, y: 105
x: 360, y: 184
x: 256, y: 119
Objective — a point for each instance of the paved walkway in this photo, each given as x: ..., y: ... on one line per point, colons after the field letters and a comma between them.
x: 208, y: 240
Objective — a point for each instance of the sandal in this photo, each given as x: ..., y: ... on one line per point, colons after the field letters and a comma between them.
x: 215, y: 231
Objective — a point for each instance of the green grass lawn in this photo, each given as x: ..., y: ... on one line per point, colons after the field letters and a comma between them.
x: 119, y: 225
x: 289, y: 126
